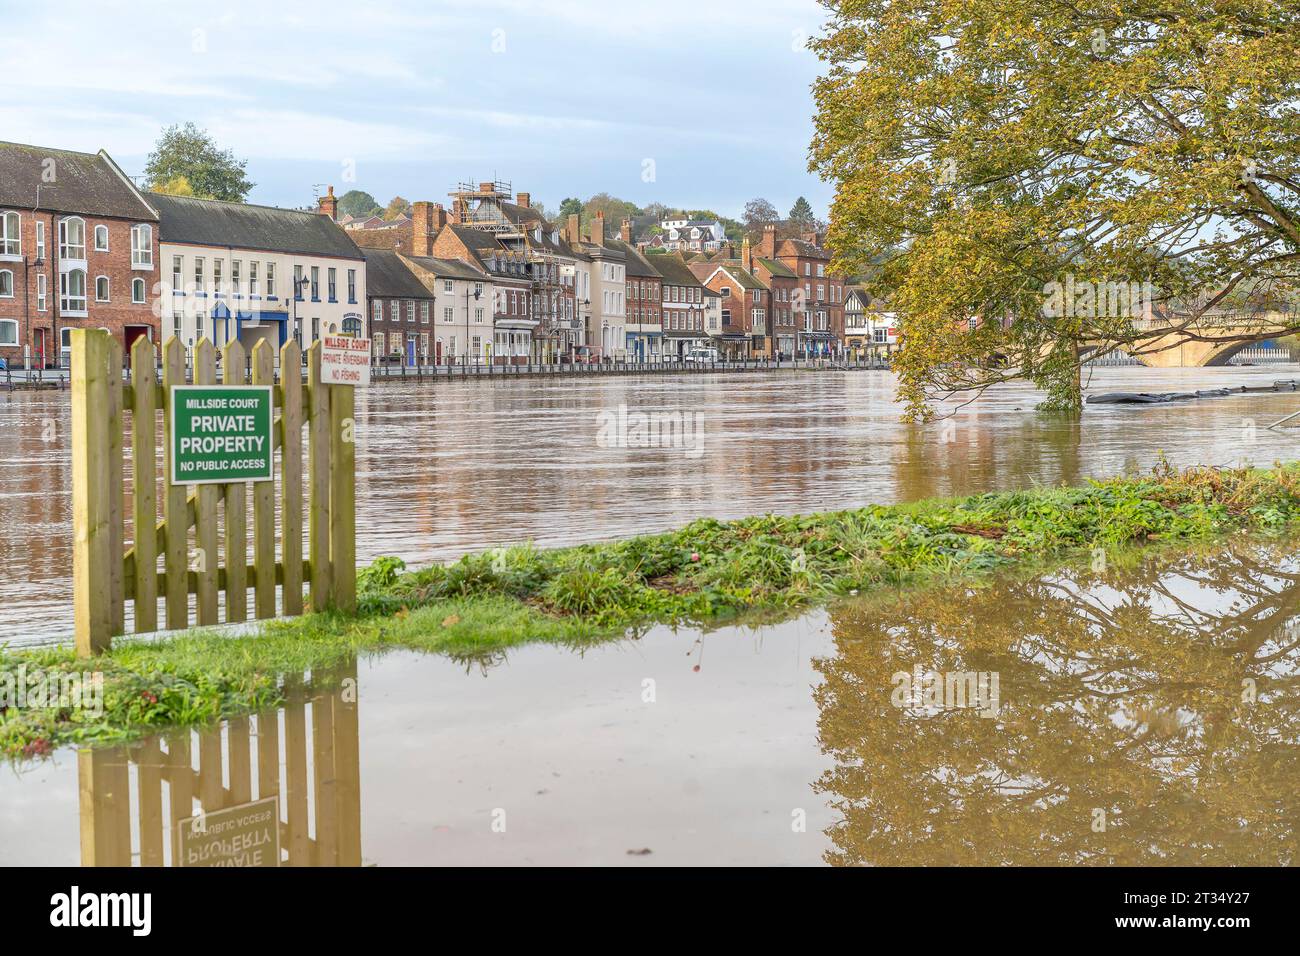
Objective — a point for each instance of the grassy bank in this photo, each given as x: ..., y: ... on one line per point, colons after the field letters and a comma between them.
x: 708, y: 573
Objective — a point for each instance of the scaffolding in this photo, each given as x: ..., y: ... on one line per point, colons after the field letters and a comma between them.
x: 479, y: 205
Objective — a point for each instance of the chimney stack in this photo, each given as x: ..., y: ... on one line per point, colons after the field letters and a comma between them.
x: 424, y: 227
x: 767, y: 245
x: 487, y: 187
x: 746, y: 255
x: 626, y: 232
x: 328, y: 205
x: 523, y: 199
x: 571, y: 232
x: 598, y: 228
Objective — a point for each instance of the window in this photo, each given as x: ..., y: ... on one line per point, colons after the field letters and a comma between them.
x: 178, y: 284
x: 137, y: 292
x: 8, y: 332
x: 198, y: 274
x: 42, y: 292
x: 315, y: 283
x: 395, y: 310
x: 378, y: 309
x: 142, y: 246
x: 315, y: 329
x: 332, y: 284
x: 379, y: 343
x: 352, y: 327
x: 424, y: 313
x: 270, y: 280
x: 297, y: 283
x: 447, y: 315
x: 447, y: 285
x: 352, y: 285
x: 40, y: 240
x: 11, y: 240
x: 6, y: 284
x: 217, y: 269
x: 101, y: 238
x: 478, y: 315
x: 72, y: 243
x: 101, y: 288
x: 236, y: 269
x: 252, y: 278
x: 410, y: 308
x: 72, y: 291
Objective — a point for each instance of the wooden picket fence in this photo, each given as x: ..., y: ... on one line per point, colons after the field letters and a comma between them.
x: 124, y: 819
x: 105, y: 576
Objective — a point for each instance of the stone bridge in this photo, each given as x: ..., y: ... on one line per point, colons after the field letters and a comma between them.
x: 1211, y: 340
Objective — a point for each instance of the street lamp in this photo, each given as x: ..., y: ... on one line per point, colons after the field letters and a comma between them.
x: 298, y: 284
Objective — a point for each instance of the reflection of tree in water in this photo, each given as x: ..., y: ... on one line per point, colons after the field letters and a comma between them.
x: 1120, y: 692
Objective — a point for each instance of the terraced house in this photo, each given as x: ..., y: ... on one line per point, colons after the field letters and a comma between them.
x: 234, y: 271
x: 645, y: 295
x: 683, y: 305
x: 78, y: 249
x: 819, y: 296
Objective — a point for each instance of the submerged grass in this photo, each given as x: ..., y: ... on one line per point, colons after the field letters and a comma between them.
x: 707, y: 573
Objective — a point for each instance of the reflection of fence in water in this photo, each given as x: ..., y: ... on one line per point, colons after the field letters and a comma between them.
x: 306, y: 754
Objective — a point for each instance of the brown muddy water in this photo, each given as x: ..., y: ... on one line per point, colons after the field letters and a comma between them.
x: 452, y: 467
x: 1138, y: 714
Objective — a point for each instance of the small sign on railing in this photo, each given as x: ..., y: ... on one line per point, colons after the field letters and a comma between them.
x: 344, y: 360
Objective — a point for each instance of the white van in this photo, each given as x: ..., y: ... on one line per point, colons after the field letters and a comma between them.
x: 704, y: 356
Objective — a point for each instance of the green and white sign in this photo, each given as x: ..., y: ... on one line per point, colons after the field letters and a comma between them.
x: 221, y: 434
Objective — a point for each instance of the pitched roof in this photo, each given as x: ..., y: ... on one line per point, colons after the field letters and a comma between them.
x: 446, y: 268
x: 637, y: 265
x: 777, y: 268
x: 87, y: 183
x: 387, y: 276
x: 675, y: 271
x: 799, y: 247
x: 210, y: 222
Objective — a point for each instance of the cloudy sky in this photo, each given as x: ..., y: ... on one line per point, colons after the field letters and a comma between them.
x: 687, y: 102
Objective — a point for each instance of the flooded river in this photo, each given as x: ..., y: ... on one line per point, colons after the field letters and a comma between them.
x: 1141, y: 715
x: 461, y: 466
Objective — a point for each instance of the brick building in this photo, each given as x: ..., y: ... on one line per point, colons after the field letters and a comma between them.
x: 645, y: 299
x: 401, y: 308
x: 683, y: 305
x: 78, y: 249
x: 819, y: 296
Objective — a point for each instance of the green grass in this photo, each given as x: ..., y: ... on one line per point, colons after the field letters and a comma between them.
x: 707, y: 574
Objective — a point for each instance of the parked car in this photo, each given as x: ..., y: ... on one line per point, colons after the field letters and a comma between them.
x: 704, y: 356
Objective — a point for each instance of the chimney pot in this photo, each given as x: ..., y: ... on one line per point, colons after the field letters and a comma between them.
x: 328, y: 205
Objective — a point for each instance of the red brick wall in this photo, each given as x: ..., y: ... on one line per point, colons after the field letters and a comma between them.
x: 113, y: 315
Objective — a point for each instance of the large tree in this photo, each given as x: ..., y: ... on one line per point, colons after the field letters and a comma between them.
x: 189, y: 153
x: 801, y: 213
x: 757, y: 214
x: 357, y: 202
x: 1006, y: 151
x: 396, y: 208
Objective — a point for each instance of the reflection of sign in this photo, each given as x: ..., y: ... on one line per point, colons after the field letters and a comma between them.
x: 220, y: 434
x: 345, y: 360
x: 247, y: 835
